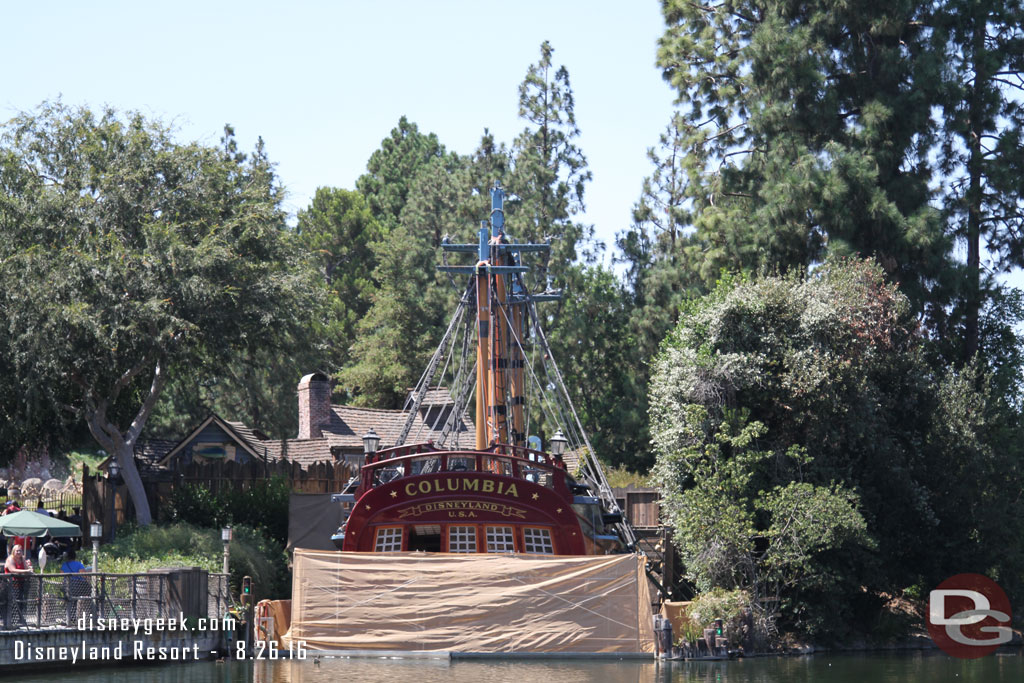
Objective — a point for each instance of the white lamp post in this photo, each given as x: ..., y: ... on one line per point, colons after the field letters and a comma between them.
x: 225, y: 535
x: 558, y: 442
x: 96, y: 533
x: 370, y: 442
x: 113, y: 470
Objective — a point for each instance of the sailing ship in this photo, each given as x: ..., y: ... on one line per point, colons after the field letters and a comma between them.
x: 503, y: 493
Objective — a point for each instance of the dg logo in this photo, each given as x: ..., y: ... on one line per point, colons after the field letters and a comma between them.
x: 969, y: 616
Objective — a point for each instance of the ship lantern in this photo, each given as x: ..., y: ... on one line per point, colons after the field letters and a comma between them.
x: 557, y: 443
x: 370, y: 442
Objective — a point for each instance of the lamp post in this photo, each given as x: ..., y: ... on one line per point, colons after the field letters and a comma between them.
x: 225, y: 535
x: 370, y: 442
x: 95, y: 532
x: 558, y: 442
x: 113, y: 470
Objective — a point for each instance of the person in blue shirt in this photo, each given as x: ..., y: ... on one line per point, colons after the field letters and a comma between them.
x: 71, y: 565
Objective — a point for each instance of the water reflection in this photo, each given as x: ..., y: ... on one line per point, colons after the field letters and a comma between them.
x: 895, y: 668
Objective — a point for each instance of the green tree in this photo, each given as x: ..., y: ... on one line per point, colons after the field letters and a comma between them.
x: 807, y: 130
x: 128, y: 255
x: 392, y: 169
x: 339, y: 229
x: 597, y: 353
x: 803, y: 412
x: 549, y: 172
x: 983, y: 152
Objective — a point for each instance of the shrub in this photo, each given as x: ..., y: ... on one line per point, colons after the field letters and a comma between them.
x: 184, y: 545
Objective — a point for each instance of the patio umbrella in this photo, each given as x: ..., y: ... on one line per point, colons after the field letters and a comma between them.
x: 28, y: 523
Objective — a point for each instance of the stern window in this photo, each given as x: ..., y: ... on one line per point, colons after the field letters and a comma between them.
x: 500, y: 539
x: 461, y: 539
x: 389, y: 540
x: 538, y: 541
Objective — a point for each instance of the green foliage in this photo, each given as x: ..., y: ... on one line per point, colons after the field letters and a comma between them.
x: 729, y: 606
x: 127, y: 256
x: 807, y: 451
x: 803, y: 130
x: 593, y: 346
x: 549, y: 172
x: 980, y: 43
x: 262, y: 506
x: 184, y: 545
x: 392, y: 169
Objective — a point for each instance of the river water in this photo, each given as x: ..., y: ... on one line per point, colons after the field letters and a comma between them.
x: 824, y: 668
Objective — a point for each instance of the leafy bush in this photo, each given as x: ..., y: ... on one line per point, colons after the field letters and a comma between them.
x: 729, y: 606
x: 263, y: 506
x: 184, y: 545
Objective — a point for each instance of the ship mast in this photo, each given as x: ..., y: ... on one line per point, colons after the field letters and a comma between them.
x: 500, y: 298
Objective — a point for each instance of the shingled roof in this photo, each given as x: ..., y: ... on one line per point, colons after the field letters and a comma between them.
x: 303, y: 451
x: 348, y: 424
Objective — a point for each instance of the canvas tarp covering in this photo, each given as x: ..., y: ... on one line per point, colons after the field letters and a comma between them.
x: 312, y: 520
x: 470, y: 603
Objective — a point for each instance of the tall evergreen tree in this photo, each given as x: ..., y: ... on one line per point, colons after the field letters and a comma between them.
x: 807, y: 128
x: 338, y: 229
x: 983, y: 149
x: 550, y: 172
x: 392, y: 169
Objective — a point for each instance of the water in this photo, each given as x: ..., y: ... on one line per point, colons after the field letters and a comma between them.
x: 880, y: 668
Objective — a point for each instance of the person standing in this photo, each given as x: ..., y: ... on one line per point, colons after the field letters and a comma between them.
x: 21, y: 566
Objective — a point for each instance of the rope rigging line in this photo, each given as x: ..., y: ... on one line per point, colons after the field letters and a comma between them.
x: 428, y: 374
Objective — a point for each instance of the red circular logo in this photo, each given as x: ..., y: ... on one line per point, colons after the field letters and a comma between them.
x: 969, y: 616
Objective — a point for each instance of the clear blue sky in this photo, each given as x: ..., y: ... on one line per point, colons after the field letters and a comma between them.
x: 324, y: 82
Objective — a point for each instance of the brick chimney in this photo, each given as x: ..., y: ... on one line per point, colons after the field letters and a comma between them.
x: 314, y: 405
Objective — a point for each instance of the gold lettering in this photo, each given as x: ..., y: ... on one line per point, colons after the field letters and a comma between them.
x: 453, y: 484
x: 512, y: 491
x: 488, y: 486
x: 471, y: 484
x: 409, y: 490
x: 424, y: 487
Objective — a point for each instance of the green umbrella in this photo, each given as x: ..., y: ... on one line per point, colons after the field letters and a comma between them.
x: 28, y: 523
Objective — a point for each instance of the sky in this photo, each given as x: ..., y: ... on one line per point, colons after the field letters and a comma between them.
x: 324, y: 82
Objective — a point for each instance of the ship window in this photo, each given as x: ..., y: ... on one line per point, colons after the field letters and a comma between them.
x: 384, y: 475
x: 461, y: 539
x: 460, y: 464
x: 537, y: 541
x: 500, y: 466
x: 425, y: 465
x: 389, y: 540
x: 500, y: 539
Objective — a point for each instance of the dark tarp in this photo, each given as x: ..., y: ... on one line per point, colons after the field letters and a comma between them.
x: 312, y: 520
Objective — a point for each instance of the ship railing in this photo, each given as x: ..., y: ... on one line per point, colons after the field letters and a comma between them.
x: 508, y: 461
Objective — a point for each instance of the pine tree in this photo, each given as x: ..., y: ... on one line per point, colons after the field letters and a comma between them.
x: 550, y: 172
x: 983, y: 151
x: 807, y: 130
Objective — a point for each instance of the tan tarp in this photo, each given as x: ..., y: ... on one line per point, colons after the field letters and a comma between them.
x: 470, y: 603
x: 677, y: 613
x: 312, y: 520
x: 280, y: 613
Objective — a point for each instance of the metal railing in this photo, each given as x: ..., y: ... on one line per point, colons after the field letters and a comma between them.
x: 61, y: 601
x: 218, y: 595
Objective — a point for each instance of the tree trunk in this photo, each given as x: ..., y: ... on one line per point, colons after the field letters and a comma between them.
x: 133, y: 480
x: 975, y: 126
